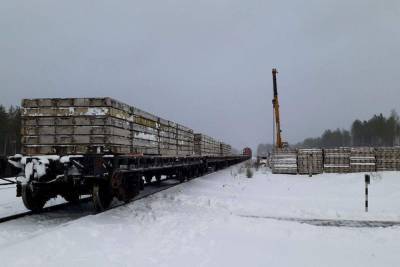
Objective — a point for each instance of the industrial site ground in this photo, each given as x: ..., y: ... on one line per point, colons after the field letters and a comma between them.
x: 221, y: 219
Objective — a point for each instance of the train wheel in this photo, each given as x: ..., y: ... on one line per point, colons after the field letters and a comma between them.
x: 203, y: 170
x: 189, y: 174
x: 102, y: 196
x: 158, y: 178
x: 141, y: 184
x: 196, y: 172
x: 148, y: 179
x: 31, y: 201
x: 180, y: 176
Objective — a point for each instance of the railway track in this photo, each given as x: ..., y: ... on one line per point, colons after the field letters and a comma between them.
x: 47, y: 209
x: 149, y: 190
x: 7, y: 181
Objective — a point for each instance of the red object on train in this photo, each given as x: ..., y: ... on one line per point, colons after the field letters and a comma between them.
x: 247, y: 152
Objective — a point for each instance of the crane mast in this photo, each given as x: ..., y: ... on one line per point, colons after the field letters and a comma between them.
x: 275, y: 102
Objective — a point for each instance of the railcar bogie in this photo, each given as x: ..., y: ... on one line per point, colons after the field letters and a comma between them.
x: 105, y: 177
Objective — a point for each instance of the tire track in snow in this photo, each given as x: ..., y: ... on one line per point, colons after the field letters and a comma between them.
x: 331, y: 222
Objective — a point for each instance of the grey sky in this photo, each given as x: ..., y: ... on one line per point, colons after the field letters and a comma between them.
x: 207, y: 63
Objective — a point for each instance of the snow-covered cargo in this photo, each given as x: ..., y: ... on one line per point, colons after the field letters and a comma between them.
x: 284, y: 161
x: 92, y: 125
x: 310, y: 161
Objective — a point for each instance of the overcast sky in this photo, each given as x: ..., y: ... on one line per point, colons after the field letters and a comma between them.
x: 207, y: 63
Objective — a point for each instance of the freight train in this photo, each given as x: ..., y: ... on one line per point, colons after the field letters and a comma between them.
x: 107, y: 149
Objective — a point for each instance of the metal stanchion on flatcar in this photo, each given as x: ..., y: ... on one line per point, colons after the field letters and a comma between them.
x: 367, y: 182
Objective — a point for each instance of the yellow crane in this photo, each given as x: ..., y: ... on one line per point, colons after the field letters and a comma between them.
x: 275, y: 102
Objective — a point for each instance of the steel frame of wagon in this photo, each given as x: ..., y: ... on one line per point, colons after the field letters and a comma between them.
x: 109, y: 176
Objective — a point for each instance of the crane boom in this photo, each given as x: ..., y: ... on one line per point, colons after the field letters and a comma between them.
x: 275, y: 103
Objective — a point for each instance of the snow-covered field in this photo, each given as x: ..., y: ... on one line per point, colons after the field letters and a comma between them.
x: 225, y: 219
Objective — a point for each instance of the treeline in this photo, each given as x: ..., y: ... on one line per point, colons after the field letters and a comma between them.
x: 328, y: 139
x: 10, y: 130
x: 377, y: 131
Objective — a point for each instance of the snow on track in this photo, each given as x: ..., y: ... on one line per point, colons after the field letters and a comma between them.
x: 26, y: 227
x: 10, y: 204
x: 201, y: 223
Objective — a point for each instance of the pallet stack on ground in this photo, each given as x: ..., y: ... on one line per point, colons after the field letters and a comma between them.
x: 337, y: 160
x: 387, y: 158
x: 362, y: 159
x: 206, y: 146
x: 98, y: 125
x: 310, y: 161
x: 284, y: 161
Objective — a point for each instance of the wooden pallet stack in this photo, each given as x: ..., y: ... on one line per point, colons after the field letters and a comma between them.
x: 387, y: 158
x: 225, y: 149
x: 184, y: 140
x: 337, y: 160
x: 284, y: 161
x: 310, y: 161
x: 98, y: 125
x: 206, y: 146
x: 362, y: 159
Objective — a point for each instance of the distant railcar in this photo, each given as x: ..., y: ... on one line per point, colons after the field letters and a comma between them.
x: 247, y: 152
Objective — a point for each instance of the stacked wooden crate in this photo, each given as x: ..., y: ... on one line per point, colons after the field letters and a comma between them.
x: 309, y: 161
x: 98, y: 125
x: 185, y: 141
x: 145, y: 131
x: 337, y: 160
x: 175, y: 139
x: 387, y: 158
x: 206, y: 146
x: 225, y: 149
x: 284, y: 161
x: 362, y: 159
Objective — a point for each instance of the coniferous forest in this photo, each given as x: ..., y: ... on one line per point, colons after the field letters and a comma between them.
x: 377, y: 131
x: 10, y: 130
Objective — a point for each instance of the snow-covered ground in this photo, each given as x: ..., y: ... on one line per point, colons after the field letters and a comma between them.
x: 224, y: 219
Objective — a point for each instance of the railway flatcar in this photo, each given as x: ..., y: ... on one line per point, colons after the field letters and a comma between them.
x: 105, y: 148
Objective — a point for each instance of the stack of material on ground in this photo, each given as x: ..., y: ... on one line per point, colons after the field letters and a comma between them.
x: 206, y: 146
x: 387, y: 158
x: 362, y: 159
x: 284, y: 161
x: 309, y: 161
x: 99, y: 125
x: 225, y: 149
x: 337, y: 160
